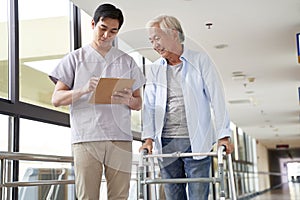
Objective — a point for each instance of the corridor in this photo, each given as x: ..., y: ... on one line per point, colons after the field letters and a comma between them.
x: 289, y: 191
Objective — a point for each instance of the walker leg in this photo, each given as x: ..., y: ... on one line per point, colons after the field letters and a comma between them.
x: 141, y: 187
x: 221, y: 171
x: 231, y: 177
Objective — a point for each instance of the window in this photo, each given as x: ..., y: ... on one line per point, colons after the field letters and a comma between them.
x: 86, y: 28
x: 45, y: 139
x: 4, y: 133
x: 3, y: 50
x: 44, y: 40
x: 241, y: 145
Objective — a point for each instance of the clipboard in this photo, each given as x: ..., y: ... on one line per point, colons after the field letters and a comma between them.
x: 106, y: 87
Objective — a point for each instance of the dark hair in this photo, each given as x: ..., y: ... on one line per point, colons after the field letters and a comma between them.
x: 110, y: 11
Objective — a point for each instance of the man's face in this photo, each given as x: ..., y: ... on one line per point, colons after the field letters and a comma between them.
x: 105, y: 31
x: 162, y: 41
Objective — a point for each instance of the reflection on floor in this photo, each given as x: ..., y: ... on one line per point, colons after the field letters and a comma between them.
x: 289, y: 191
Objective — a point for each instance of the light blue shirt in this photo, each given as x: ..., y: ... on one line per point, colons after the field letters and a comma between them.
x: 204, y: 100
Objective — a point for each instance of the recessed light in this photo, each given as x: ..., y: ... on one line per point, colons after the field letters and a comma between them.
x: 239, y: 101
x: 249, y: 92
x: 251, y: 79
x: 221, y: 46
x: 238, y: 77
x: 237, y: 72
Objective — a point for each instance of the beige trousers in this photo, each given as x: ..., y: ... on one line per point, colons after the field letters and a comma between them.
x: 90, y: 158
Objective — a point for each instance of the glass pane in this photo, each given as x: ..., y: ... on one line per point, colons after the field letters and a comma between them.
x: 86, y: 28
x: 4, y: 133
x: 136, y: 118
x: 233, y: 127
x: 241, y: 145
x: 57, y: 192
x: 45, y: 139
x: 3, y: 50
x: 249, y: 149
x: 44, y: 40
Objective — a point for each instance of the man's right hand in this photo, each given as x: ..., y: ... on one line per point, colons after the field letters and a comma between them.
x: 90, y: 86
x: 148, y: 144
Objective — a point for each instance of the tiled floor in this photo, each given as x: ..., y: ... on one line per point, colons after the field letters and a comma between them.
x: 289, y: 191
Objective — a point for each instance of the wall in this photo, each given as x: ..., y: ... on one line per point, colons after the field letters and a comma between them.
x: 262, y: 166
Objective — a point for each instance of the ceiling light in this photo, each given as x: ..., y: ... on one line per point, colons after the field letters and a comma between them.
x: 239, y: 101
x: 237, y: 72
x: 221, y: 46
x: 249, y: 92
x: 251, y: 79
x: 238, y: 77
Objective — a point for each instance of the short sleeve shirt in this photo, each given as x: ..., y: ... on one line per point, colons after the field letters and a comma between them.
x: 97, y: 122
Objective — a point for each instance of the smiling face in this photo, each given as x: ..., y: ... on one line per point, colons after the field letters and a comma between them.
x: 105, y: 31
x: 163, y: 42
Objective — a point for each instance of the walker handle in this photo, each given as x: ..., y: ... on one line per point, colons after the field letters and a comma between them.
x: 223, y: 145
x: 145, y: 151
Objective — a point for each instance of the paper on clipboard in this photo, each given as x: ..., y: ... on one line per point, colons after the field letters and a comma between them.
x: 106, y: 87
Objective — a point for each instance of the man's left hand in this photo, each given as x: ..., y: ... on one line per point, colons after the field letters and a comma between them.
x: 122, y: 97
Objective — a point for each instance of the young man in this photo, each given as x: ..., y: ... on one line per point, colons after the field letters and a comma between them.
x: 101, y: 133
x: 182, y: 89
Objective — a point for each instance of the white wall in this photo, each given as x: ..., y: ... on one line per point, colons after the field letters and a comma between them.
x: 262, y: 166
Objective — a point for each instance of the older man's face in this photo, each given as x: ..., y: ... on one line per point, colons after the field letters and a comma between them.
x: 162, y: 41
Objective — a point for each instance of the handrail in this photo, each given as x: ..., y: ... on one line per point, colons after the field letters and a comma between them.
x: 34, y: 157
x: 31, y: 157
x: 36, y: 183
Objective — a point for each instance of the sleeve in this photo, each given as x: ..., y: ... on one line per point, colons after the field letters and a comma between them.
x: 64, y: 71
x: 148, y: 112
x: 215, y: 92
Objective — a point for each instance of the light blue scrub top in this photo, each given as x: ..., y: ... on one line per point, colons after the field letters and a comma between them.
x: 98, y: 122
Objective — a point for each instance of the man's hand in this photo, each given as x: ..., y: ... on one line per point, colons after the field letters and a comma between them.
x: 122, y: 97
x: 148, y: 144
x: 90, y: 86
x: 63, y: 95
x: 228, y: 145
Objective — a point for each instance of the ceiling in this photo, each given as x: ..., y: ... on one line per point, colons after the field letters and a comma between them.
x: 253, y: 44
